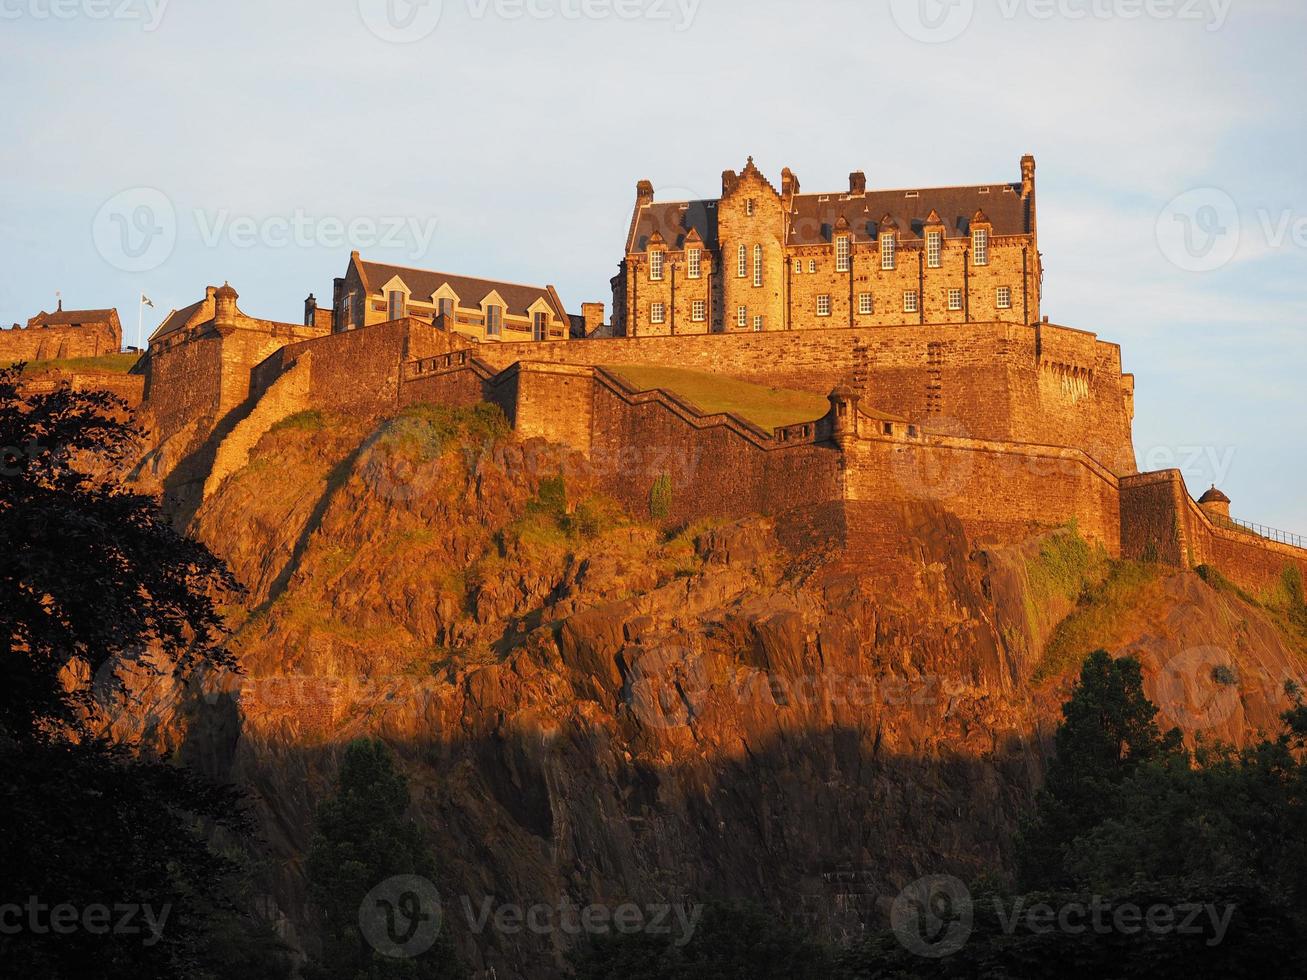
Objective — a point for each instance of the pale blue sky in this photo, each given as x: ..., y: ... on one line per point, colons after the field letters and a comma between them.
x: 511, y: 133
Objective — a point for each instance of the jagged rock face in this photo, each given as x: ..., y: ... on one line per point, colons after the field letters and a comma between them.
x: 597, y: 712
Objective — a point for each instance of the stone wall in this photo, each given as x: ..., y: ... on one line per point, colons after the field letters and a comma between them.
x: 1046, y: 384
x: 37, y: 343
x: 1159, y: 519
x: 1004, y: 492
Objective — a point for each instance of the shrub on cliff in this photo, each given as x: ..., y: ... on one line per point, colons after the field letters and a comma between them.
x: 370, y: 879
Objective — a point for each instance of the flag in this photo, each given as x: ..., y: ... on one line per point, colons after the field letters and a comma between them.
x: 146, y: 300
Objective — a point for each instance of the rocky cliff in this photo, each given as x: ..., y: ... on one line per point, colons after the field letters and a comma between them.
x: 808, y: 712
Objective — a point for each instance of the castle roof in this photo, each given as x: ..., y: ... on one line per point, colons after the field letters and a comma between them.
x: 72, y: 318
x: 422, y: 283
x: 813, y: 217
x: 1213, y: 496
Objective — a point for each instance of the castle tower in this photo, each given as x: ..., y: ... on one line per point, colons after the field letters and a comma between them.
x: 844, y: 413
x: 1215, y: 505
x: 225, y: 313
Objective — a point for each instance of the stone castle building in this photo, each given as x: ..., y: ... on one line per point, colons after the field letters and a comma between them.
x: 759, y: 259
x: 483, y: 310
x: 62, y: 334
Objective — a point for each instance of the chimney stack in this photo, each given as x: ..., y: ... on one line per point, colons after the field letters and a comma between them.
x: 644, y: 193
x: 311, y: 311
x: 593, y: 314
x: 729, y: 182
x: 857, y: 183
x: 1027, y: 174
x: 789, y: 184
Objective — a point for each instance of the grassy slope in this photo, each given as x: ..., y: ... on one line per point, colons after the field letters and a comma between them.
x: 767, y: 407
x: 106, y: 363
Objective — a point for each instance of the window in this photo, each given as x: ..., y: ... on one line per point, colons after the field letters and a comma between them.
x: 980, y: 246
x: 955, y: 299
x: 656, y: 266
x: 494, y: 321
x: 742, y: 316
x: 699, y: 311
x: 843, y: 254
x: 694, y: 263
x: 748, y: 207
x: 742, y: 262
x: 539, y: 326
x: 347, y: 313
x: 757, y: 265
x: 757, y: 324
x: 812, y: 265
x: 446, y: 308
x: 658, y: 313
x: 887, y: 244
x: 934, y: 246
x: 1005, y: 297
x: 823, y: 305
x: 864, y: 304
x: 910, y: 301
x: 798, y: 267
x: 396, y: 305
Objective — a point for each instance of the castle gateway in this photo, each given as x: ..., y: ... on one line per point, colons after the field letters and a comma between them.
x: 756, y: 259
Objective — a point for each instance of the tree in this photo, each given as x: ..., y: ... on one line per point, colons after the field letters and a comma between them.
x: 90, y: 573
x: 1109, y: 730
x: 732, y: 941
x: 370, y: 878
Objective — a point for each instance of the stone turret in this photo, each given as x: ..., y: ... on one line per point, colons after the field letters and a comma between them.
x: 844, y: 412
x: 225, y: 313
x: 1215, y: 505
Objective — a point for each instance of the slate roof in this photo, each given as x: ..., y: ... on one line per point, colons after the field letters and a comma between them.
x: 813, y: 217
x: 422, y: 283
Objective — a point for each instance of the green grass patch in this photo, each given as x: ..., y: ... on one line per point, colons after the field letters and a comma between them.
x: 307, y: 421
x: 1284, y: 604
x: 104, y: 364
x: 1066, y: 563
x: 1107, y: 614
x: 422, y: 432
x: 710, y: 393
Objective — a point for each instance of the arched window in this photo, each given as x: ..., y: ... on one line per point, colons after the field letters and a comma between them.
x: 742, y: 263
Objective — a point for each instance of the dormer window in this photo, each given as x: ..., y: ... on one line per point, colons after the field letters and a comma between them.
x: 843, y: 254
x: 396, y: 305
x: 742, y: 262
x: 757, y: 265
x: 540, y: 326
x: 494, y: 321
x: 934, y: 248
x: 887, y: 246
x: 980, y: 246
x: 694, y: 263
x: 656, y: 266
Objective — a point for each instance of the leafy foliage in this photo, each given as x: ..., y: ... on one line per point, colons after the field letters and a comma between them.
x: 730, y: 942
x: 91, y: 571
x: 660, y: 497
x: 364, y: 838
